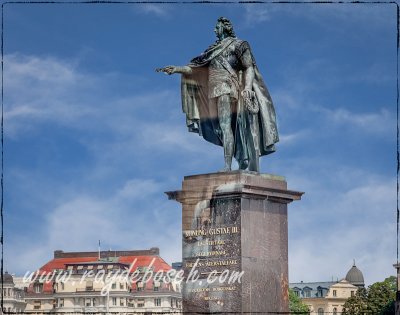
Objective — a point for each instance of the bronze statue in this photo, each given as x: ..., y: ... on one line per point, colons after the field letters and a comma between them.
x: 226, y: 101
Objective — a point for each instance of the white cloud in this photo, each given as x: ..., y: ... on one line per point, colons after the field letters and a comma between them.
x: 287, y: 139
x: 350, y: 214
x: 59, y: 93
x: 138, y: 188
x: 378, y: 122
x: 43, y: 89
x: 321, y: 13
x: 257, y: 13
x: 157, y: 9
x: 136, y: 216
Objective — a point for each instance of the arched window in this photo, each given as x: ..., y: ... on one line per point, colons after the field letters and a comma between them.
x: 320, y: 311
x: 334, y: 311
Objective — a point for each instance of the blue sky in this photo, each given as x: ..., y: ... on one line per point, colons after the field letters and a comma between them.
x: 94, y: 136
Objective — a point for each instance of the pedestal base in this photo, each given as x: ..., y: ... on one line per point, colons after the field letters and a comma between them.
x: 235, y: 242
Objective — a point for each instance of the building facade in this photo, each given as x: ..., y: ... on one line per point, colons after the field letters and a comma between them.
x: 329, y: 297
x: 104, y: 282
x: 13, y: 297
x: 324, y: 297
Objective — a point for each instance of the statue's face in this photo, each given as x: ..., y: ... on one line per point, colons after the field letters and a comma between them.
x: 219, y: 30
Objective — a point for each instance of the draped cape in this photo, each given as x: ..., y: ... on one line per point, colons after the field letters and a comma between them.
x: 254, y: 133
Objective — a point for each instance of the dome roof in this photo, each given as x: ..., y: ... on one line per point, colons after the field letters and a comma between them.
x: 7, y: 278
x: 355, y: 276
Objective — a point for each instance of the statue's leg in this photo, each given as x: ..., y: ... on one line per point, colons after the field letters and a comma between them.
x: 224, y: 117
x: 254, y: 152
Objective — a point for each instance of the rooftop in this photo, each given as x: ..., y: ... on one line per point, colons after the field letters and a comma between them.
x: 311, y: 289
x: 142, y: 258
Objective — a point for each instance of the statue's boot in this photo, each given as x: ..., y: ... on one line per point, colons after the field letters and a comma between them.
x: 228, y: 164
x: 243, y: 164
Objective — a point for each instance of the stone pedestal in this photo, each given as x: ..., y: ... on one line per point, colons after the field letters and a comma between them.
x: 235, y: 242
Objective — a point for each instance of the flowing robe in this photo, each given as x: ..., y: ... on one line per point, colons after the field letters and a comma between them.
x: 255, y: 134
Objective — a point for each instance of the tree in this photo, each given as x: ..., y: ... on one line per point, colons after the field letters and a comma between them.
x: 378, y: 299
x: 381, y: 297
x: 296, y: 306
x: 357, y: 304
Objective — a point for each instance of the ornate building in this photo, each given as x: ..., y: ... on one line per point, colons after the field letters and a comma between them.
x: 13, y: 297
x: 104, y: 282
x: 329, y: 297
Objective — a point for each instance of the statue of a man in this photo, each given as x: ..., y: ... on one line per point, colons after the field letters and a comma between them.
x: 226, y: 101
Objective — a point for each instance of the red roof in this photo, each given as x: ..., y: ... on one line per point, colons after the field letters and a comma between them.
x: 59, y: 263
x: 62, y: 262
x: 145, y: 261
x: 142, y: 261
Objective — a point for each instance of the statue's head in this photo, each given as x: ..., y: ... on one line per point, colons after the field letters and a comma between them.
x: 224, y: 28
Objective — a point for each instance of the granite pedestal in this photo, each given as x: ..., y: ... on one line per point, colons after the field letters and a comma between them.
x: 235, y: 242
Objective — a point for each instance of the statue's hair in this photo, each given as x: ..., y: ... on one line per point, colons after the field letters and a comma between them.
x: 228, y: 27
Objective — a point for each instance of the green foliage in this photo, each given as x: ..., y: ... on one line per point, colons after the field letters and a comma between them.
x: 381, y: 296
x: 378, y: 299
x: 357, y: 304
x: 296, y: 306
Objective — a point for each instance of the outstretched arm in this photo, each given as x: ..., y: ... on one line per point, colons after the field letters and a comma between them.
x: 175, y: 69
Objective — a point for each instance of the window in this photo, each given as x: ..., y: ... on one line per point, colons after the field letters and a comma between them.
x: 88, y: 302
x: 307, y: 292
x: 334, y: 292
x: 352, y: 293
x: 37, y: 305
x: 140, y: 303
x: 156, y: 288
x: 114, y: 286
x: 296, y: 292
x: 121, y: 286
x: 320, y: 311
x: 121, y: 302
x: 157, y: 302
x: 61, y: 303
x: 114, y: 301
x: 62, y: 286
x: 94, y: 302
x: 38, y: 287
x: 89, y: 285
x: 334, y: 311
